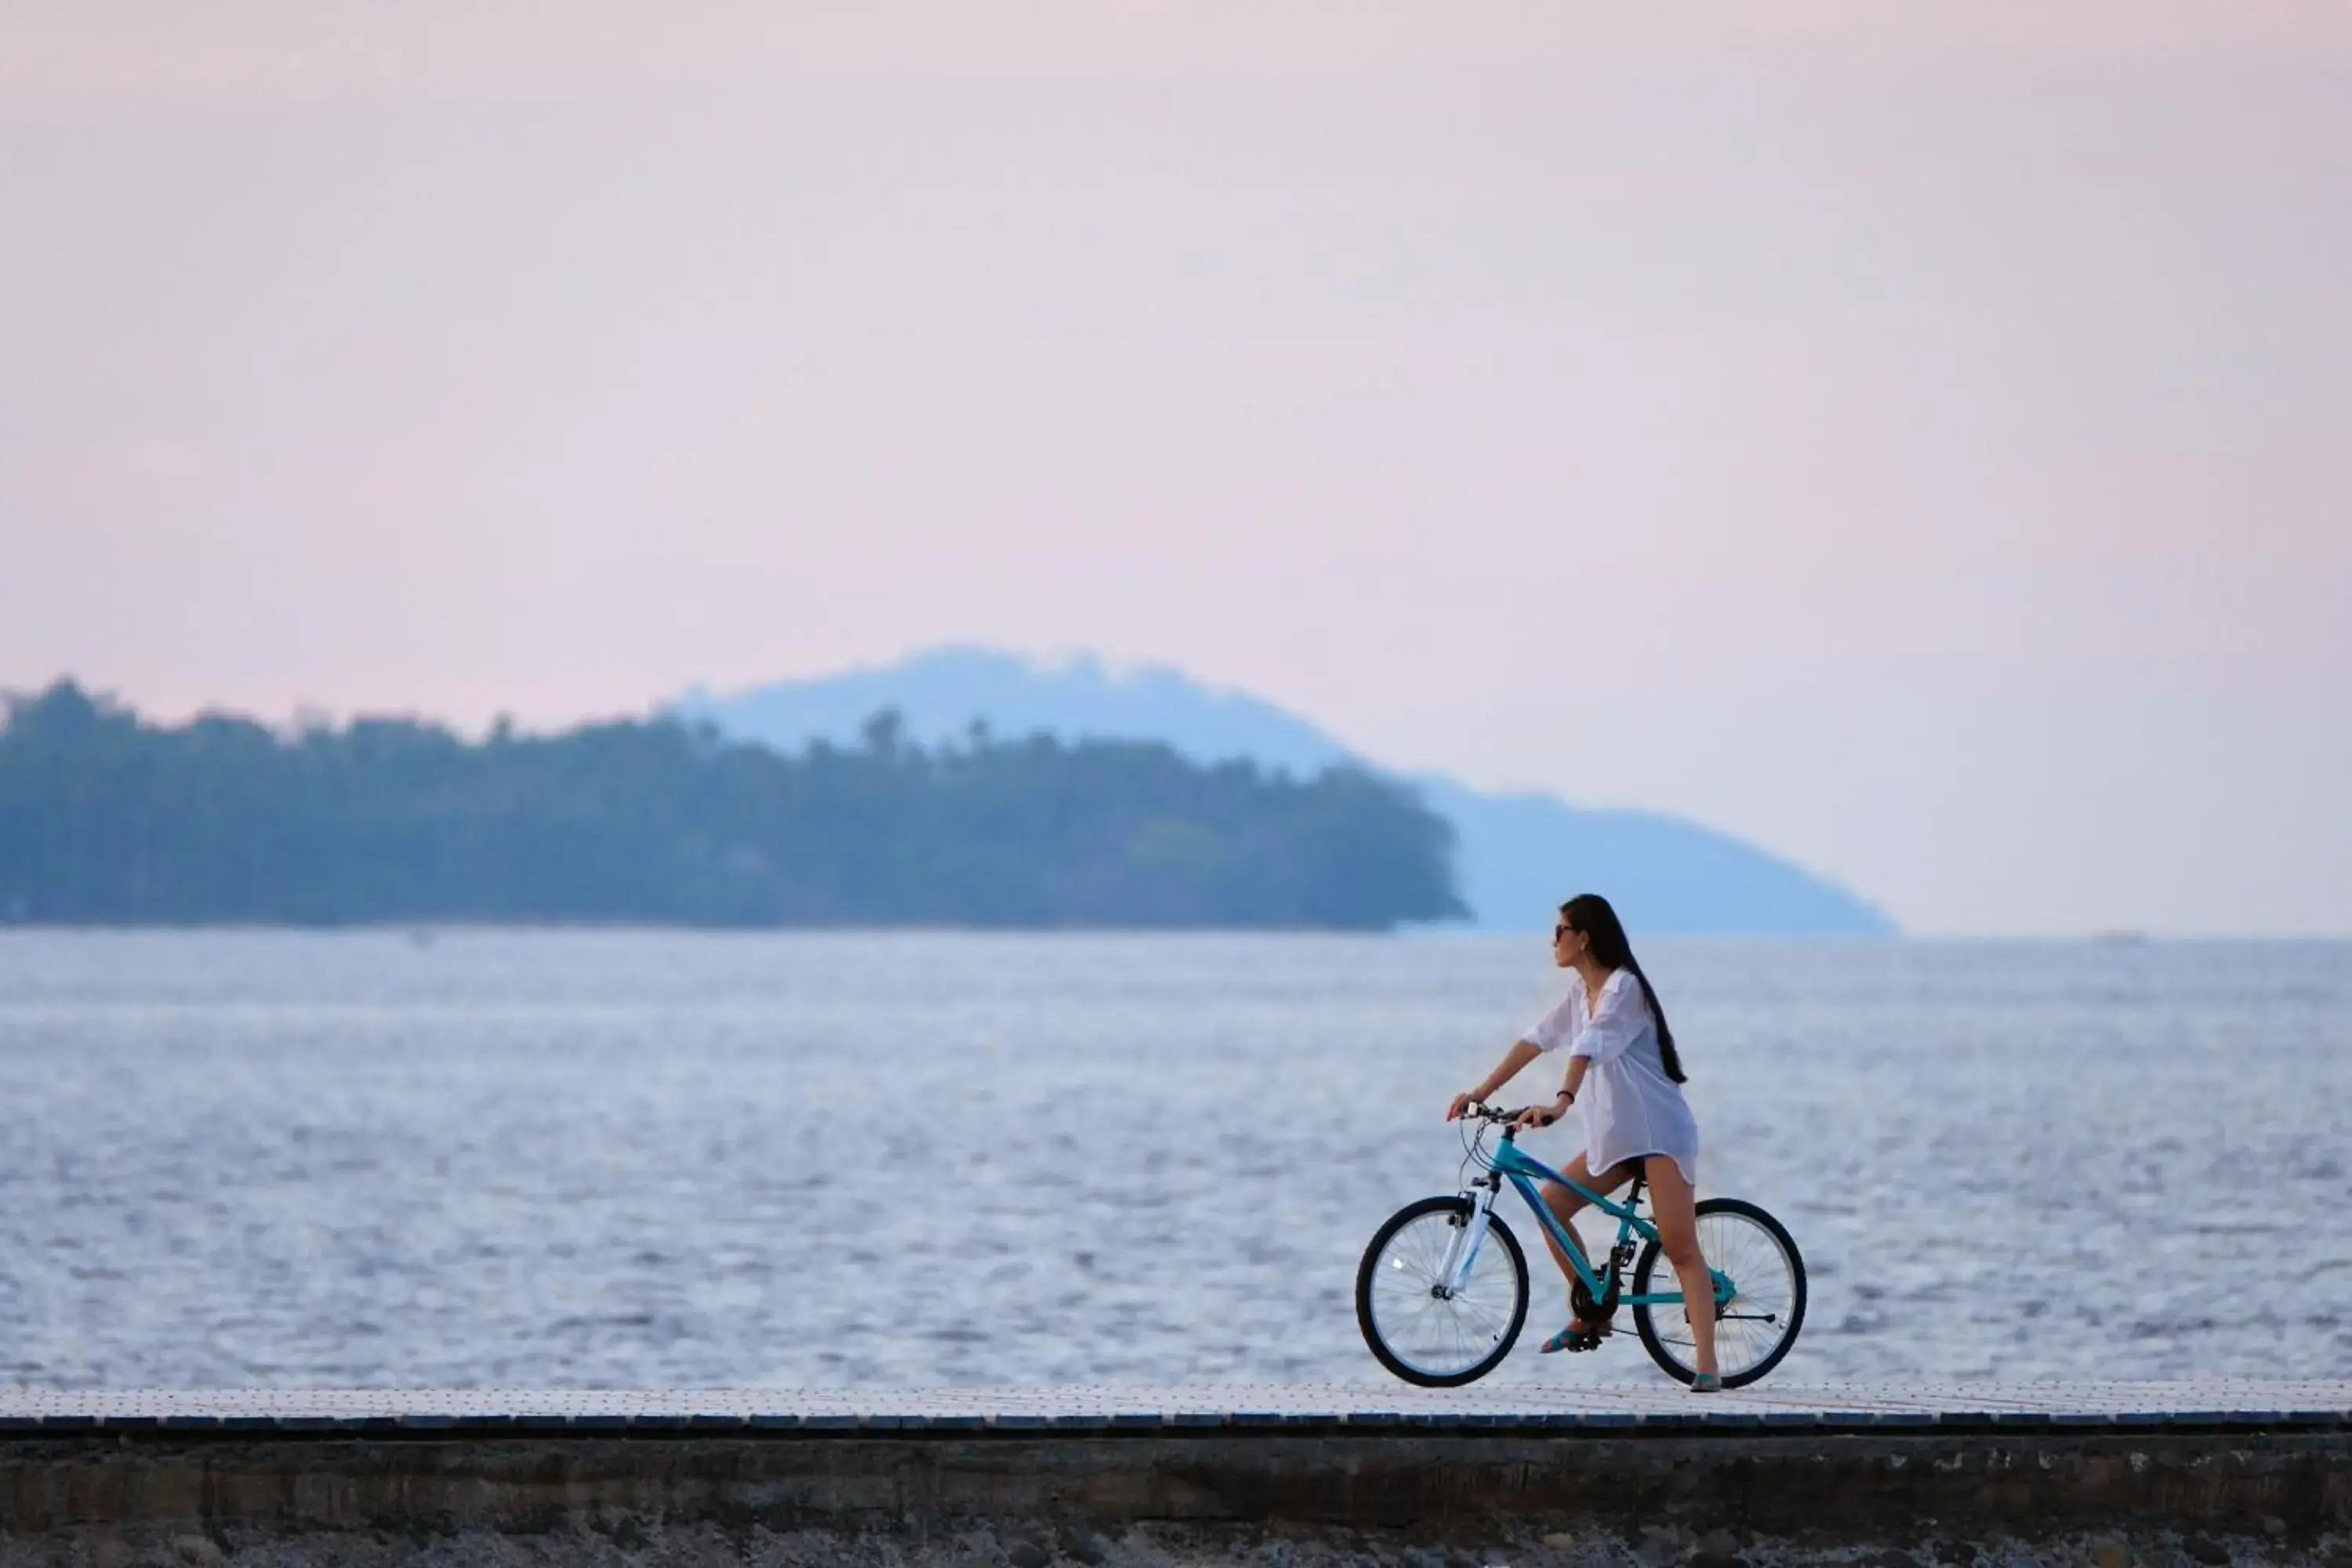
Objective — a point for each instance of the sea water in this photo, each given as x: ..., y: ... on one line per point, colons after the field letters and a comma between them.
x: 641, y: 1158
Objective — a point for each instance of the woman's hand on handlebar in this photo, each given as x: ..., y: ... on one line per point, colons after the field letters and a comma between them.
x: 1461, y: 1107
x: 1542, y: 1115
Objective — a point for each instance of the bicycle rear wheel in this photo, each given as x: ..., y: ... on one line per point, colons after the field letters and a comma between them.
x: 1440, y: 1341
x: 1756, y: 1327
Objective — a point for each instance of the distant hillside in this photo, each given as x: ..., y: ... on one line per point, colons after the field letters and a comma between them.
x: 940, y: 694
x: 1516, y: 857
x: 107, y: 819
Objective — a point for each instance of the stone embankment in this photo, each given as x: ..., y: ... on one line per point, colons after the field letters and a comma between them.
x: 2100, y: 1476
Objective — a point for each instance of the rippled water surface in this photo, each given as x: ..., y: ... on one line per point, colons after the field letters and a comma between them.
x: 647, y: 1159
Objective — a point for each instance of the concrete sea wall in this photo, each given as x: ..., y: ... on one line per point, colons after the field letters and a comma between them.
x: 1497, y: 1494
x: 2103, y: 1475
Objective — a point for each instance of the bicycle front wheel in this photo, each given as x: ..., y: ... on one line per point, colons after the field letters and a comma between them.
x: 1420, y: 1330
x: 1756, y: 1327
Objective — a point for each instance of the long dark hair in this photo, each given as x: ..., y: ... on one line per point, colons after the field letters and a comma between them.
x: 1590, y: 916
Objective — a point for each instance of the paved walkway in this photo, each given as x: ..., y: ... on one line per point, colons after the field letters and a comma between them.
x: 2214, y: 1402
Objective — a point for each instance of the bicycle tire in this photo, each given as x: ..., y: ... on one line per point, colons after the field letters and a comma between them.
x: 1736, y: 1218
x: 1410, y: 1259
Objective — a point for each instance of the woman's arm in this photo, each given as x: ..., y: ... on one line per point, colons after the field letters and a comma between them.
x: 1545, y: 1115
x: 1575, y: 1079
x: 1521, y: 1053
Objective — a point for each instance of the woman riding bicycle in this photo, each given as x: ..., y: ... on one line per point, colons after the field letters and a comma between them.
x: 1622, y: 1060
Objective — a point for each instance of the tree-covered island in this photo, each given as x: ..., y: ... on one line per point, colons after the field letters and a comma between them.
x: 107, y: 819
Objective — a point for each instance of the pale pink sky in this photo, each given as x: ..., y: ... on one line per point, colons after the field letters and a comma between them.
x: 1919, y: 441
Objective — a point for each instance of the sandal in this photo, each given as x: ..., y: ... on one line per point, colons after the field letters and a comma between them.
x: 1575, y: 1337
x: 1705, y: 1383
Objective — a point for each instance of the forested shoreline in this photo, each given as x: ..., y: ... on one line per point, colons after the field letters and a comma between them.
x: 108, y: 819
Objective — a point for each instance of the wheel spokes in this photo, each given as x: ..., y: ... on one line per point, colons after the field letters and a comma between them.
x: 1440, y: 1335
x: 1759, y: 1316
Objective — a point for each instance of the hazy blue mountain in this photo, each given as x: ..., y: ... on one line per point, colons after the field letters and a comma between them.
x: 939, y: 694
x: 1515, y: 855
x: 1518, y: 856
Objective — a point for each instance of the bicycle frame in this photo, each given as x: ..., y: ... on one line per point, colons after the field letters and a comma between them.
x: 1523, y: 1170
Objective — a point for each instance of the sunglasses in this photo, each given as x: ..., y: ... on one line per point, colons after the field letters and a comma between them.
x: 1561, y: 930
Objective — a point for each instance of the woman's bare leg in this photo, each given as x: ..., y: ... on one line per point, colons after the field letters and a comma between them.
x: 1564, y: 1202
x: 1674, y: 1210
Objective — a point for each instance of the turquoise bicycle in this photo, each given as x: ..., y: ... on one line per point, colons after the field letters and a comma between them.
x: 1442, y: 1292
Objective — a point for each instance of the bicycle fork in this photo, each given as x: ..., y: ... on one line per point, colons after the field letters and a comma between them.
x: 1463, y: 1252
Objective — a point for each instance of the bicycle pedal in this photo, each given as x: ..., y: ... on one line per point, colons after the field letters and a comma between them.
x: 1583, y: 1341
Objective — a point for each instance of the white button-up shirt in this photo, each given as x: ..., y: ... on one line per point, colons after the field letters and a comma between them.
x: 1631, y: 1106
